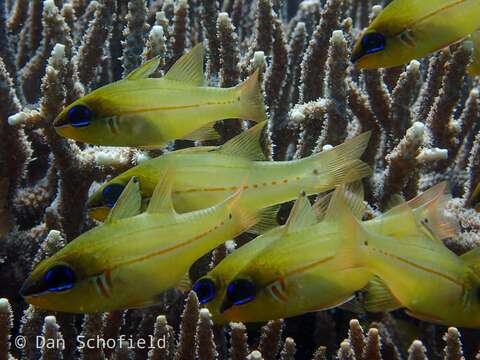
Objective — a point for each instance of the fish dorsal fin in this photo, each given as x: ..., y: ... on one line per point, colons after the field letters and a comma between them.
x: 144, y: 70
x: 397, y: 222
x: 189, y: 68
x: 429, y: 210
x: 246, y: 144
x: 161, y: 200
x: 268, y: 220
x: 338, y: 205
x: 128, y: 204
x: 301, y: 215
x: 378, y: 298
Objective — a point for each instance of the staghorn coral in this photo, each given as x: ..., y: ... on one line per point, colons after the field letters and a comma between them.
x: 423, y: 117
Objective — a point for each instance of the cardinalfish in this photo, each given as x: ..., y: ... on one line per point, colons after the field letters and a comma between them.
x: 412, y: 29
x: 205, y: 176
x: 290, y: 270
x: 415, y: 270
x: 149, y: 112
x: 133, y: 257
x: 263, y: 280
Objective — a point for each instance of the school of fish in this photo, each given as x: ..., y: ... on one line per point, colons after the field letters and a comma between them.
x: 162, y: 215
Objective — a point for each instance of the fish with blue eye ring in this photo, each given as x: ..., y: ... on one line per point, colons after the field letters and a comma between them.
x: 145, y: 112
x: 412, y: 29
x: 207, y: 175
x: 264, y: 280
x: 131, y: 259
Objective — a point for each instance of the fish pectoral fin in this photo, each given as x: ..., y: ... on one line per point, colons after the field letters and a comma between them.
x: 128, y: 204
x: 301, y: 215
x: 184, y: 284
x: 145, y: 70
x: 206, y: 132
x: 378, y: 298
x: 161, y: 200
x: 189, y: 68
x: 246, y: 144
x: 268, y: 220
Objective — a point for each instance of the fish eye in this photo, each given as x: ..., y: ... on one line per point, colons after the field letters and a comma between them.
x: 373, y: 42
x: 111, y: 193
x: 205, y: 290
x: 59, y: 278
x: 79, y: 116
x: 240, y: 291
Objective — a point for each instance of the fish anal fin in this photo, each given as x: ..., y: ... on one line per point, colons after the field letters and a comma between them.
x: 145, y: 70
x: 189, y: 68
x: 301, y: 215
x: 378, y: 298
x: 246, y: 144
x: 161, y: 200
x: 206, y: 132
x: 267, y: 220
x: 128, y: 204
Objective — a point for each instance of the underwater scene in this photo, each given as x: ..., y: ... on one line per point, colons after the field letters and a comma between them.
x: 240, y: 179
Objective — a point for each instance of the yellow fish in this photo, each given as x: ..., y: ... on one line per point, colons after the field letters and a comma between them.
x: 132, y: 258
x: 149, y: 112
x: 207, y: 175
x: 416, y: 271
x: 412, y: 29
x: 287, y: 272
x: 290, y: 270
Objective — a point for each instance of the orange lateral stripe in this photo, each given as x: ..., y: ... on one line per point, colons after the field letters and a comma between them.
x: 161, y: 108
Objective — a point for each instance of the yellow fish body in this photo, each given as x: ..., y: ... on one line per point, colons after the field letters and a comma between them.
x: 206, y: 175
x: 132, y: 258
x: 414, y: 269
x: 412, y: 29
x: 290, y: 270
x: 149, y: 112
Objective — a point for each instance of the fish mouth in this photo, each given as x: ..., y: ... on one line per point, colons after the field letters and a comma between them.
x: 356, y: 55
x: 31, y: 289
x: 98, y: 213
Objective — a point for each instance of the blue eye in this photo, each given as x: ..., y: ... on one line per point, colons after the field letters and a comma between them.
x: 111, y: 193
x: 79, y: 116
x: 373, y: 42
x: 59, y: 278
x: 205, y: 290
x: 240, y: 291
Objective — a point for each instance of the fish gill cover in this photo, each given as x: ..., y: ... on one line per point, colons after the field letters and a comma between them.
x: 423, y: 118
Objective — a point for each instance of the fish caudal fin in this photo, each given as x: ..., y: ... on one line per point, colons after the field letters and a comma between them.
x: 338, y: 165
x: 251, y: 99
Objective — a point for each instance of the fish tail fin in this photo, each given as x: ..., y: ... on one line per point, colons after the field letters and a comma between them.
x: 338, y: 165
x: 352, y: 236
x: 429, y: 211
x: 252, y: 106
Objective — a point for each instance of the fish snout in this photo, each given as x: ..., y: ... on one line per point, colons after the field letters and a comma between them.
x: 226, y: 304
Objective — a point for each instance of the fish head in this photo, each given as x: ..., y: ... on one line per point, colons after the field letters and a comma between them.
x: 376, y: 50
x: 90, y: 119
x: 105, y: 197
x: 67, y: 281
